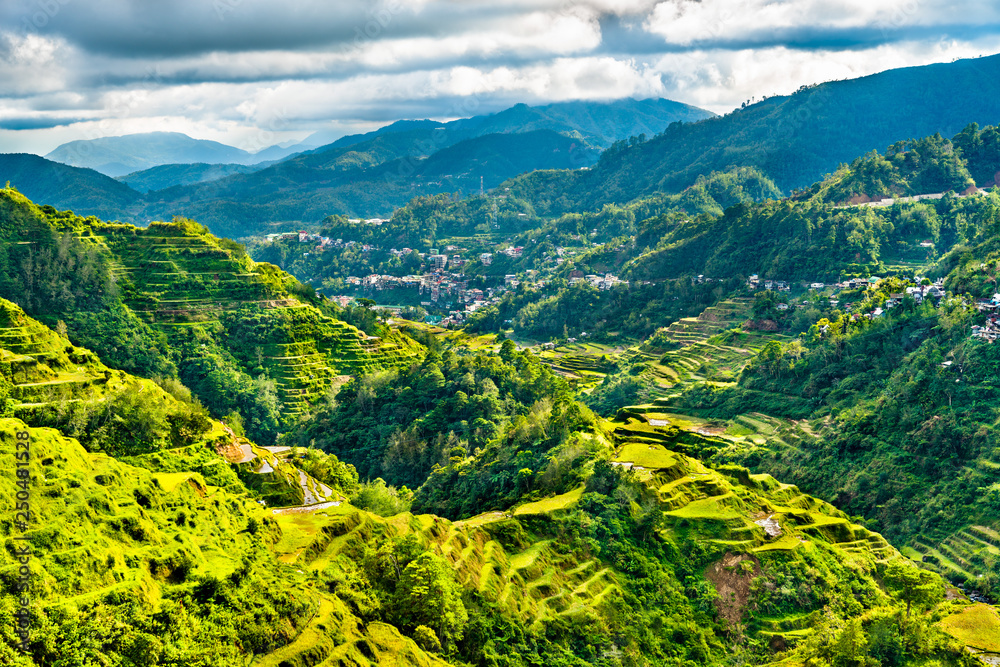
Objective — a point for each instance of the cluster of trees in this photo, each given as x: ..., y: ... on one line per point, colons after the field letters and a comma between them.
x: 134, y: 419
x: 400, y: 425
x: 567, y: 310
x: 221, y: 382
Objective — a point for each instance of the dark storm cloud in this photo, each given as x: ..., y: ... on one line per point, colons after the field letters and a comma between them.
x: 35, y: 123
x: 144, y: 28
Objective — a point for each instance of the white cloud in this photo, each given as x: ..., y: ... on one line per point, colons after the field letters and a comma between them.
x: 687, y: 22
x: 32, y: 63
x: 260, y: 70
x: 721, y: 80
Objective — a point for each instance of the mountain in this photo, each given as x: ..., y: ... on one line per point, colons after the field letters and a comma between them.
x: 118, y: 156
x: 169, y: 175
x: 369, y: 174
x: 84, y: 190
x: 368, y: 178
x: 793, y: 139
x: 599, y: 124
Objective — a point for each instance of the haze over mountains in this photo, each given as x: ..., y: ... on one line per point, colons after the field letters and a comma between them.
x: 118, y: 156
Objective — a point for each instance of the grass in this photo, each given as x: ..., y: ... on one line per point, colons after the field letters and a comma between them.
x: 553, y: 504
x: 978, y: 626
x: 653, y: 457
x: 527, y: 558
x: 312, y: 636
x: 169, y: 481
x: 783, y: 543
x: 708, y: 508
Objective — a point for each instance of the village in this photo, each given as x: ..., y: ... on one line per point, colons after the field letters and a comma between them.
x: 920, y: 291
x: 443, y: 287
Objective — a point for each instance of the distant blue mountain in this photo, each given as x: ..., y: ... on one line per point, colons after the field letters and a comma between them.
x: 118, y: 156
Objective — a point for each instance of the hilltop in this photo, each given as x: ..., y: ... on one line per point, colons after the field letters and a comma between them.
x: 85, y: 190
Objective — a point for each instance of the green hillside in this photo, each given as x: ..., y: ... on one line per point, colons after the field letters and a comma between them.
x: 171, y: 300
x: 370, y: 178
x: 795, y: 140
x: 83, y: 190
x: 169, y: 175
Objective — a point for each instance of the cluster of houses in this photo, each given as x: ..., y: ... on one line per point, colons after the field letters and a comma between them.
x: 323, y: 242
x: 605, y: 282
x: 442, y: 288
x: 918, y: 293
x: 755, y: 283
x: 990, y: 330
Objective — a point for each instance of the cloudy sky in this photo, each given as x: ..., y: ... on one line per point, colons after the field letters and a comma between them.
x: 252, y: 73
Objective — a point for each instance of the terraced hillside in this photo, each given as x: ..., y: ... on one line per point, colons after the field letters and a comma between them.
x: 966, y: 556
x: 113, y: 540
x: 175, y: 291
x: 41, y: 365
x: 713, y: 320
x: 123, y: 535
x: 518, y: 560
x: 184, y: 277
x: 709, y: 348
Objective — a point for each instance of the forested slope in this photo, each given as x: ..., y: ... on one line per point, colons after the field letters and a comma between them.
x: 793, y: 139
x: 173, y: 301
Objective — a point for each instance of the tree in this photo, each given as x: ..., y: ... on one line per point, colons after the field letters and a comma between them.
x: 427, y: 594
x: 851, y: 645
x: 911, y: 584
x: 507, y: 350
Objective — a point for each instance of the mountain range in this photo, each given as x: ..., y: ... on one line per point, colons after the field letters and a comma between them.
x: 364, y: 174
x: 794, y: 140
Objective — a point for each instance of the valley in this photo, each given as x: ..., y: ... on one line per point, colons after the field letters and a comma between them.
x: 702, y: 397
